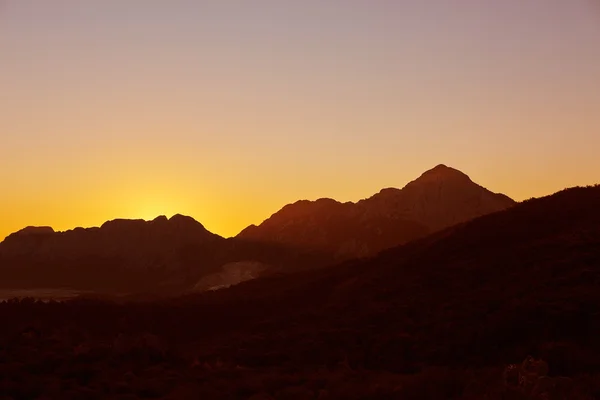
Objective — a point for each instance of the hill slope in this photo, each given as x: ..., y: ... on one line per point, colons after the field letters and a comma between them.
x: 492, y: 290
x: 439, y: 198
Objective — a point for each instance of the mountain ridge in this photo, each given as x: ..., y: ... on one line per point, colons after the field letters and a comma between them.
x: 166, y: 255
x: 441, y: 170
x: 438, y: 198
x: 161, y: 219
x: 302, y: 235
x: 487, y: 291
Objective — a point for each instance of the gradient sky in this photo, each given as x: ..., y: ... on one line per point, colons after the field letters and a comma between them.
x: 227, y: 110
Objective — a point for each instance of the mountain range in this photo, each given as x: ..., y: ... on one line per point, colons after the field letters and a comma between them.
x: 442, y: 317
x: 439, y: 198
x: 179, y: 253
x: 122, y: 256
x: 445, y: 316
x: 483, y: 292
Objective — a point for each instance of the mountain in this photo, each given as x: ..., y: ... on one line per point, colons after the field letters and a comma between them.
x: 443, y: 317
x: 439, y: 198
x: 177, y: 254
x: 133, y: 255
x: 139, y: 242
x: 342, y: 229
x: 482, y: 293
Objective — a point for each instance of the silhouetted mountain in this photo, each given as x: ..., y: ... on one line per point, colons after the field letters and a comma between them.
x: 174, y: 254
x: 132, y: 255
x: 342, y: 229
x: 439, y: 198
x: 438, y: 318
x: 492, y: 290
x: 139, y: 242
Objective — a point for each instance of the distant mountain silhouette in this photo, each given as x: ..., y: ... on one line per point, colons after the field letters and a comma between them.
x: 134, y: 255
x: 441, y: 197
x: 138, y: 241
x: 178, y: 254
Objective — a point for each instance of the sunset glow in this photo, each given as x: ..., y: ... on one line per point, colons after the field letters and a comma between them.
x: 227, y: 110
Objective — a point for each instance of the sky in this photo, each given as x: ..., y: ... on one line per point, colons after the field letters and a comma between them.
x: 227, y: 110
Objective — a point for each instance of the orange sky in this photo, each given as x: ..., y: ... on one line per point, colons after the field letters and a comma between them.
x: 226, y: 111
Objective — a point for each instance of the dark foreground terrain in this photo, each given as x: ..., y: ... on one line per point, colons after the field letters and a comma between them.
x: 440, y: 318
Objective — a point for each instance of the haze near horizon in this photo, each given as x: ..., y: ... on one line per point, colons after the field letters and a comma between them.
x: 226, y: 111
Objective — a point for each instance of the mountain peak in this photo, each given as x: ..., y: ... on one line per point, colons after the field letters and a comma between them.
x: 442, y: 172
x: 183, y: 219
x: 179, y: 221
x: 160, y: 219
x: 31, y: 231
x: 441, y: 167
x: 120, y: 223
x: 440, y: 197
x: 36, y: 230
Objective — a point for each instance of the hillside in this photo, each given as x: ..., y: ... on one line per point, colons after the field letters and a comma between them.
x: 491, y: 289
x: 342, y: 229
x: 438, y: 318
x: 439, y: 198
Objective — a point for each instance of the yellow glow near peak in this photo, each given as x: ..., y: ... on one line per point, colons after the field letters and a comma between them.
x: 141, y: 200
x: 151, y: 211
x: 150, y: 206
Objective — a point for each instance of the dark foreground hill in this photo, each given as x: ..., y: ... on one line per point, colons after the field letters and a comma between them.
x: 439, y: 318
x: 439, y: 198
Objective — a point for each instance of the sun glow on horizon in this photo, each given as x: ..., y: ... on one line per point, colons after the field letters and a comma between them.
x: 154, y: 201
x: 110, y: 110
x: 149, y: 212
